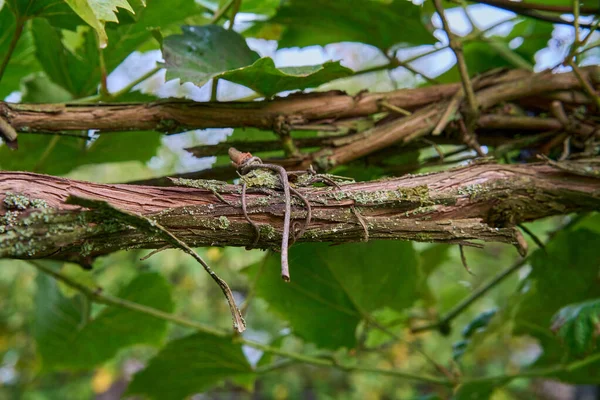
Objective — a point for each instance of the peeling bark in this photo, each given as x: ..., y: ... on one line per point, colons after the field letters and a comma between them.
x: 478, y: 202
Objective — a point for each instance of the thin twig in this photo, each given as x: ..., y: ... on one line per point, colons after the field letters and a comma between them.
x: 236, y: 8
x: 103, y: 298
x: 132, y: 84
x: 8, y: 133
x: 19, y: 25
x: 463, y: 258
x: 214, y: 90
x: 245, y: 212
x: 456, y: 46
x: 443, y: 324
x: 104, y: 94
x: 149, y: 225
x: 450, y: 112
x: 254, y: 283
x: 530, y: 10
x: 245, y: 163
x: 394, y: 108
x: 576, y: 22
x: 362, y: 222
x: 533, y: 236
x: 308, y: 218
x: 589, y: 89
x: 220, y: 12
x: 153, y: 252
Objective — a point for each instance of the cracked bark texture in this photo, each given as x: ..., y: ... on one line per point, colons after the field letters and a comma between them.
x: 477, y: 202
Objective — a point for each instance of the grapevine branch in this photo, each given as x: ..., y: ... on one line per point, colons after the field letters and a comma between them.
x: 482, y: 201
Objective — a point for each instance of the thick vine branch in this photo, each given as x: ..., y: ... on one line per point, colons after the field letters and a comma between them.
x: 479, y: 202
x: 297, y: 110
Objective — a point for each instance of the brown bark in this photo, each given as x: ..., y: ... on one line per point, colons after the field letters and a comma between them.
x: 296, y: 110
x: 329, y: 111
x: 478, y: 202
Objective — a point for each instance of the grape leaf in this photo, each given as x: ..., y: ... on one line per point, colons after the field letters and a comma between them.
x: 342, y: 284
x: 58, y: 13
x: 578, y: 325
x: 66, y: 341
x: 496, y: 51
x: 38, y: 88
x: 22, y: 61
x: 128, y: 36
x: 190, y: 365
x: 97, y: 12
x: 202, y: 52
x: 78, y: 73
x: 566, y: 273
x: 268, y: 80
x: 383, y: 25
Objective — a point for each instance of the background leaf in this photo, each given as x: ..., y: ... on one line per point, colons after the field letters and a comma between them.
x: 268, y: 80
x: 364, y: 21
x: 190, y: 365
x: 22, y: 61
x: 78, y: 73
x: 567, y: 273
x: 578, y: 325
x: 97, y: 12
x: 58, y: 13
x: 201, y: 52
x: 66, y: 341
x: 342, y: 284
x: 134, y: 30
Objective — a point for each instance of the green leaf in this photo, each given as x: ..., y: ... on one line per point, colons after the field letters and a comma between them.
x: 479, y: 322
x: 340, y: 283
x: 202, y: 52
x: 478, y: 390
x: 124, y: 38
x: 551, y: 284
x: 433, y: 256
x: 190, y: 365
x: 321, y: 22
x: 578, y: 325
x: 77, y: 73
x: 495, y: 52
x: 535, y: 35
x: 268, y: 80
x: 22, y: 62
x: 122, y: 146
x: 66, y: 341
x: 38, y: 88
x: 567, y: 273
x: 262, y: 7
x: 57, y: 12
x: 59, y: 155
x: 97, y: 12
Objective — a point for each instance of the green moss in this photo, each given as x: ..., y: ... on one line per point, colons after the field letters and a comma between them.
x: 472, y: 190
x: 14, y: 201
x: 9, y: 218
x: 267, y: 231
x: 261, y: 178
x: 39, y: 203
x: 223, y: 222
x: 261, y: 202
x: 208, y: 184
x: 86, y: 249
x: 169, y: 126
x: 416, y: 194
x: 424, y: 237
